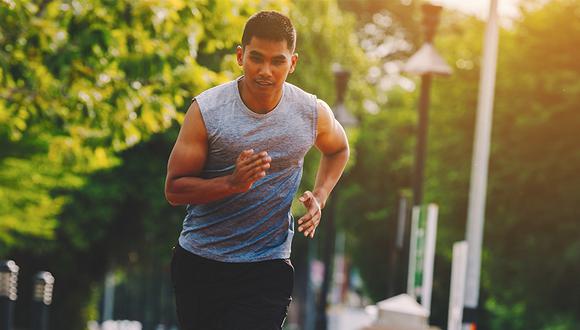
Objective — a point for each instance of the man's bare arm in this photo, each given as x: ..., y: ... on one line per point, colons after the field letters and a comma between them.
x: 333, y: 144
x: 183, y: 184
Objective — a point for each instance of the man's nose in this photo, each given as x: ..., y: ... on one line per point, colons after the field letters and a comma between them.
x: 265, y: 70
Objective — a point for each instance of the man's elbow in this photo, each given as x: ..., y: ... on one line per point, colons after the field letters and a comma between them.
x: 170, y: 196
x: 344, y: 152
x: 341, y: 153
x: 171, y: 201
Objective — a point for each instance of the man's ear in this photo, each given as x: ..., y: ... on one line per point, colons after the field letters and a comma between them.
x: 293, y: 62
x: 240, y: 55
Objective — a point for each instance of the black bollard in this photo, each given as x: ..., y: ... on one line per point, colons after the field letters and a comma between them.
x: 41, y: 300
x: 8, y: 293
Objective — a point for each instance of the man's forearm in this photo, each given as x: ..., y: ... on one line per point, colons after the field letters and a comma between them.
x: 329, y: 172
x: 194, y: 190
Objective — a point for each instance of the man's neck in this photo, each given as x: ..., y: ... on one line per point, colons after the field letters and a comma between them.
x: 262, y: 103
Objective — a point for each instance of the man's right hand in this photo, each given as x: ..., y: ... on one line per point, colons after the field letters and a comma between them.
x: 250, y: 167
x: 184, y: 184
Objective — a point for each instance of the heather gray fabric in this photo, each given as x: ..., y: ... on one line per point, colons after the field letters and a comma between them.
x: 256, y: 225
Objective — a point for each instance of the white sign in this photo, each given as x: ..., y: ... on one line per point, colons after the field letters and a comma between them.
x: 429, y: 256
x: 412, y: 273
x: 422, y: 253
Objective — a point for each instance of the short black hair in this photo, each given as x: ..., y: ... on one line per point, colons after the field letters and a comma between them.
x: 270, y: 25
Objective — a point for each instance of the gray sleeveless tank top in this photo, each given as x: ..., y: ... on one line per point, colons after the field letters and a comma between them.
x: 255, y: 225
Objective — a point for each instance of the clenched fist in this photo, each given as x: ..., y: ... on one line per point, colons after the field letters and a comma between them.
x: 250, y: 167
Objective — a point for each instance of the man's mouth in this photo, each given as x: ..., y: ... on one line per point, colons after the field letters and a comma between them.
x: 264, y: 83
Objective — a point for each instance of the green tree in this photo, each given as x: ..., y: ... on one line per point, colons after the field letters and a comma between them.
x: 388, y: 33
x: 530, y: 253
x: 82, y: 81
x: 103, y: 155
x: 533, y: 230
x: 530, y: 235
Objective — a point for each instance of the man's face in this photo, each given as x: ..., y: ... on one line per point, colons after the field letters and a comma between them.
x: 266, y: 64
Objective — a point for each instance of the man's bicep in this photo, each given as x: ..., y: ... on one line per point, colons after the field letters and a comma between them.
x: 190, y: 151
x: 331, y: 137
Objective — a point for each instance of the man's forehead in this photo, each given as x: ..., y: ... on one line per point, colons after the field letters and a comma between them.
x: 262, y: 45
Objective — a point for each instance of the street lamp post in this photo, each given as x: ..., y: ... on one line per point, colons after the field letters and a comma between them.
x: 426, y: 62
x: 346, y: 120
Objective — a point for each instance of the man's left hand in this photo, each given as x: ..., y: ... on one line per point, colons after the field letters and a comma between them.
x: 311, y: 219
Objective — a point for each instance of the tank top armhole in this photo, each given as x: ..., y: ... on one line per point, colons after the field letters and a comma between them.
x: 314, y: 119
x: 205, y: 117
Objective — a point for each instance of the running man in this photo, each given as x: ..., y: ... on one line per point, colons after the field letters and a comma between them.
x: 237, y: 164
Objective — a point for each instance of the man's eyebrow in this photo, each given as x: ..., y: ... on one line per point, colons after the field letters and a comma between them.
x: 277, y: 57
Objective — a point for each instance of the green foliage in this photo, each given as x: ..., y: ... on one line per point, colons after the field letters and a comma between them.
x: 535, y: 232
x: 83, y: 81
x: 530, y: 234
x: 80, y: 83
x: 321, y: 43
x: 29, y: 202
x: 368, y: 197
x: 392, y: 19
x: 92, y: 95
x: 374, y: 184
x: 118, y: 220
x: 531, y: 219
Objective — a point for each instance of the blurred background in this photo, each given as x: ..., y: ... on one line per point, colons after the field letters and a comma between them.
x: 92, y: 94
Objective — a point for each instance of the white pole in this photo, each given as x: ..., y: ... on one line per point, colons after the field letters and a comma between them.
x: 109, y: 296
x: 456, y: 294
x: 478, y: 184
x: 429, y: 257
x: 413, y: 251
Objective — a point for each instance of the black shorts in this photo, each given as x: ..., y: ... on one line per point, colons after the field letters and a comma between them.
x: 230, y: 296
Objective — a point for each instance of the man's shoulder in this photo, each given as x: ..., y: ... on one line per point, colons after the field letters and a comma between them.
x: 298, y: 94
x: 221, y: 88
x: 217, y: 94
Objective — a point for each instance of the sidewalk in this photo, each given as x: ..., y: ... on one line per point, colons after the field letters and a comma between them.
x: 348, y: 318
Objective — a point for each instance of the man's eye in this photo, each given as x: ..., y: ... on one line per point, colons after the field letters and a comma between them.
x: 255, y: 58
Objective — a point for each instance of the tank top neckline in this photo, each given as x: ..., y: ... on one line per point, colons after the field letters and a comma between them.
x: 248, y: 110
